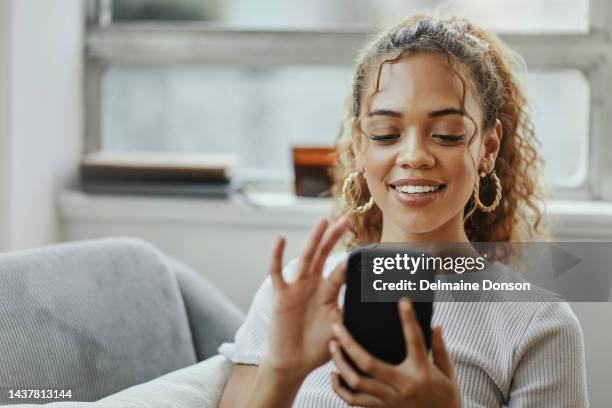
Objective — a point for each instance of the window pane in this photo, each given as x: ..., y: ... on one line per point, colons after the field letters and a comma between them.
x: 561, y: 101
x: 501, y: 15
x: 260, y: 112
x: 257, y: 112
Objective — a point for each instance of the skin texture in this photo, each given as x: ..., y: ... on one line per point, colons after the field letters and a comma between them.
x: 306, y: 330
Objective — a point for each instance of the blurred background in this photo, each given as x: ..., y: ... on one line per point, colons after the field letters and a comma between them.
x: 255, y: 79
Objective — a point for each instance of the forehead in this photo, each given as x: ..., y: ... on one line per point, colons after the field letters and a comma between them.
x: 423, y: 82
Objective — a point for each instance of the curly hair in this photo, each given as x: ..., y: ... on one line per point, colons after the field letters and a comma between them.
x: 489, y: 64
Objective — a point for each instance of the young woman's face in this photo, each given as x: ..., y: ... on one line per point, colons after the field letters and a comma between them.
x: 415, y: 154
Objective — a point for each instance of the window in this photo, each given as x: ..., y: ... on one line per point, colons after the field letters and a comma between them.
x: 243, y: 109
x: 257, y: 76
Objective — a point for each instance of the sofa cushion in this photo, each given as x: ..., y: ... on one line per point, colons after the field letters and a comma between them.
x: 197, y: 386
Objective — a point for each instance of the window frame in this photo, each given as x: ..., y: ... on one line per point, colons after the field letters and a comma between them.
x: 200, y: 43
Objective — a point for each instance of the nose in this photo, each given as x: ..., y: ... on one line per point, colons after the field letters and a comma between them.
x: 414, y: 152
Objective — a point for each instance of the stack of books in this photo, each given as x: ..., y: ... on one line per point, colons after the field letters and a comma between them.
x: 185, y: 174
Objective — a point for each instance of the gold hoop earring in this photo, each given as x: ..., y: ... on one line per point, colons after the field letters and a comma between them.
x: 345, y: 194
x: 498, y: 194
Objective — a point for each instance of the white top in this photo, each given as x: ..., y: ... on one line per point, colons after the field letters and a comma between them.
x: 514, y: 354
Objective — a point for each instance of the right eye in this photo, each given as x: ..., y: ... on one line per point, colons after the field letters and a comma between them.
x: 384, y: 138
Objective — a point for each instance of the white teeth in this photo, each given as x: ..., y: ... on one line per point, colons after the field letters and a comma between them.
x: 416, y: 189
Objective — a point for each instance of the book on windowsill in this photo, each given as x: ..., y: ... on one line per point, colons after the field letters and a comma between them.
x: 190, y: 174
x: 207, y: 190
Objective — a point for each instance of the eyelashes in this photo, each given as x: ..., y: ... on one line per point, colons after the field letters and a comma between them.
x: 444, y: 138
x: 450, y: 138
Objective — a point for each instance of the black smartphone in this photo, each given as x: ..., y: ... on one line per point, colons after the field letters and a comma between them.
x: 377, y: 325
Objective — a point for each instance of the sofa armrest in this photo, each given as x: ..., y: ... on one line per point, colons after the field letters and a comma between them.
x: 213, y: 317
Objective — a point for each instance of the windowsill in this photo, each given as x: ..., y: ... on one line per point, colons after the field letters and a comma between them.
x: 572, y: 219
x: 263, y: 208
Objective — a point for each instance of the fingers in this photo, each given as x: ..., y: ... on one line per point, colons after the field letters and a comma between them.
x: 311, y: 247
x: 329, y: 241
x: 438, y: 349
x: 361, y: 357
x: 356, y: 399
x: 412, y: 332
x: 276, y: 270
x: 359, y: 383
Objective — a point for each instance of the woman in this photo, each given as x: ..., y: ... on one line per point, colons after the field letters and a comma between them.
x: 438, y: 127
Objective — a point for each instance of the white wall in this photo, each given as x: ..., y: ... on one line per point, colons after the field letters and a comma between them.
x: 5, y: 124
x: 40, y: 115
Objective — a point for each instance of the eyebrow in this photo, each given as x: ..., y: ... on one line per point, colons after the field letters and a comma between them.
x: 385, y: 112
x: 444, y: 112
x: 433, y: 114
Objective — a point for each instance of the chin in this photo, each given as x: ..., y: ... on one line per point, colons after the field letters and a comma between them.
x: 418, y: 225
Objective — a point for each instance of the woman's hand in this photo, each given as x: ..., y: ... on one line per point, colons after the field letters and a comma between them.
x: 305, y: 309
x: 416, y: 382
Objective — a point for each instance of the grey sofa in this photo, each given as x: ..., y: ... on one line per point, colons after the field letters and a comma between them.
x: 115, y: 321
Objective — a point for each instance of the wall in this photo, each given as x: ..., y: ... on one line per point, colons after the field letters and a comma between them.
x: 5, y: 123
x: 40, y: 112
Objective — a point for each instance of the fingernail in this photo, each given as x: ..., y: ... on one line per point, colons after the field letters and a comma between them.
x: 333, y: 347
x: 336, y: 329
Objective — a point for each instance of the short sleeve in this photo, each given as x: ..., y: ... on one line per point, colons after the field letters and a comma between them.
x: 551, y: 367
x: 251, y: 340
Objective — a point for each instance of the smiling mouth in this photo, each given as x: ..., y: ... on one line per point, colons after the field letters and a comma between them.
x: 424, y: 189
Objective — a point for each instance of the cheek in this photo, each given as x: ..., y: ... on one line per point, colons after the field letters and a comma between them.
x: 462, y: 163
x: 378, y: 164
x: 462, y: 171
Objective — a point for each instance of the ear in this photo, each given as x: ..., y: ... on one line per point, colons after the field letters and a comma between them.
x: 358, y: 146
x: 491, y: 143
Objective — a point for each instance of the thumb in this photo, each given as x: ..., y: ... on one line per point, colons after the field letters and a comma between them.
x: 334, y: 281
x: 336, y: 315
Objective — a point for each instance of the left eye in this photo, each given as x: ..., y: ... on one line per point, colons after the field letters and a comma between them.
x: 449, y: 138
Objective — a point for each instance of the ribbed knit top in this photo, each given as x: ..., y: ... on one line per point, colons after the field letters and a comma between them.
x: 505, y: 353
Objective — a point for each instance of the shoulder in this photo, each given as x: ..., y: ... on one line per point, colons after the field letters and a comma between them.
x: 550, y: 358
x: 554, y: 319
x: 553, y: 335
x: 544, y: 312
